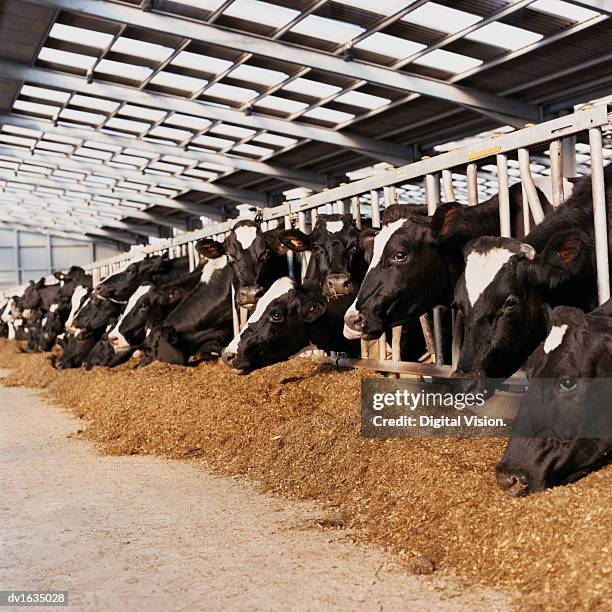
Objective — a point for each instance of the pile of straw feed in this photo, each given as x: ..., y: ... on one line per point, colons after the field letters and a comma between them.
x: 294, y: 428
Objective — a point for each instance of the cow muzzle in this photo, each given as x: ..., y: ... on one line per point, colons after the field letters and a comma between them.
x: 231, y: 359
x: 468, y: 382
x: 337, y: 285
x: 248, y: 296
x: 513, y: 482
x: 353, y: 325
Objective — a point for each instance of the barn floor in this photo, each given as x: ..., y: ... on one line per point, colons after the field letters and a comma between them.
x: 140, y: 532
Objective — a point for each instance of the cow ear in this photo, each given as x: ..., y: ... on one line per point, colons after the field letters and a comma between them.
x: 563, y: 257
x: 295, y: 239
x: 366, y: 242
x: 312, y: 309
x: 209, y: 248
x: 173, y: 295
x: 445, y: 220
x: 273, y: 240
x: 169, y: 334
x: 59, y: 275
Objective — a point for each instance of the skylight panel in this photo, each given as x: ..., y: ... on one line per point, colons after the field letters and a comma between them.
x: 207, y: 5
x: 138, y: 48
x: 178, y: 81
x: 54, y: 146
x: 358, y: 98
x: 127, y: 124
x: 187, y: 121
x: 201, y: 173
x: 140, y: 112
x: 390, y: 46
x: 312, y: 88
x: 68, y: 175
x: 250, y: 149
x: 95, y: 153
x: 76, y: 115
x: 202, y: 63
x: 448, y: 61
x: 94, y: 103
x: 170, y: 133
x: 327, y: 29
x: 558, y: 8
x: 74, y: 60
x: 229, y: 92
x: 381, y: 7
x: 131, y: 160
x: 504, y: 35
x: 275, y: 139
x: 35, y: 107
x: 166, y: 167
x: 281, y: 104
x: 253, y: 74
x: 19, y: 131
x: 216, y: 167
x: 120, y: 69
x: 139, y: 153
x: 211, y: 141
x: 232, y: 130
x: 261, y: 12
x: 81, y: 36
x: 45, y: 94
x: 441, y: 18
x: 328, y: 114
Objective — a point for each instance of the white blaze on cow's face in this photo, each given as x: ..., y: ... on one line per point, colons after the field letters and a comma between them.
x: 6, y: 313
x: 79, y: 293
x: 555, y: 338
x: 245, y: 235
x: 482, y: 268
x: 333, y: 227
x: 211, y: 266
x: 117, y: 340
x: 54, y: 307
x: 279, y: 288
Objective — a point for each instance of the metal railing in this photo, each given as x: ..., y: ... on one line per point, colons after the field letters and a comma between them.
x: 380, y: 190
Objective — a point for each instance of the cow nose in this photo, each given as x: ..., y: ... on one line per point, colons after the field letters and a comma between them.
x: 338, y: 284
x: 228, y: 357
x: 512, y: 482
x: 249, y: 295
x: 355, y: 321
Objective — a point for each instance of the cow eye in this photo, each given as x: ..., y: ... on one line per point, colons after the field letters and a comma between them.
x: 277, y: 317
x: 566, y: 385
x: 400, y: 256
x: 511, y: 302
x: 353, y: 248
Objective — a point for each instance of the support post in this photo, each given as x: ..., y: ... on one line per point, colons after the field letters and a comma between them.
x: 504, y: 195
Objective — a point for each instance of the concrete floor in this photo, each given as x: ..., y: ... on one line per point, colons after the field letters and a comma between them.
x: 143, y: 533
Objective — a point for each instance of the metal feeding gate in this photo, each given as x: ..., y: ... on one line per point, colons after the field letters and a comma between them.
x: 437, y: 175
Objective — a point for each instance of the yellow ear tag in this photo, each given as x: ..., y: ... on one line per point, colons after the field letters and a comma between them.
x: 295, y: 242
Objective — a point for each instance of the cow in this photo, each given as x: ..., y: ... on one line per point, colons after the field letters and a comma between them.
x: 201, y: 324
x: 507, y: 284
x: 563, y: 429
x: 415, y: 260
x: 255, y: 258
x: 332, y: 279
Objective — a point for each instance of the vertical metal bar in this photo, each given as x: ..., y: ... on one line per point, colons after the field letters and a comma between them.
x: 526, y: 220
x: 17, y: 257
x: 427, y: 334
x: 556, y: 172
x: 447, y: 183
x: 457, y: 337
x: 290, y: 253
x: 472, y: 183
x: 49, y: 255
x: 438, y: 336
x: 375, y: 205
x: 244, y: 315
x: 599, y: 215
x: 356, y: 210
x: 305, y: 254
x: 341, y: 207
x: 235, y: 319
x: 530, y: 188
x: 396, y: 342
x: 504, y: 196
x: 191, y: 256
x: 569, y: 156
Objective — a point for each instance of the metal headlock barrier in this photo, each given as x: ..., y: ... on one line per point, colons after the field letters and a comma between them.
x: 380, y: 191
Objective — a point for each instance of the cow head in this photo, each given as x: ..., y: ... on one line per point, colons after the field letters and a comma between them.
x: 407, y: 275
x: 121, y: 285
x: 95, y: 313
x: 256, y: 259
x: 163, y: 345
x: 53, y: 323
x: 561, y: 405
x: 277, y: 329
x: 75, y: 348
x: 337, y: 260
x: 502, y: 296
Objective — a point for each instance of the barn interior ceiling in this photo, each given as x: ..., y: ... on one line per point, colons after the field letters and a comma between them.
x: 136, y: 118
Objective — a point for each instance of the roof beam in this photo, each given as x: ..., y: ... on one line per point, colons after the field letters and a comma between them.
x: 602, y: 6
x: 62, y: 234
x: 297, y: 177
x: 193, y: 209
x: 384, y: 150
x: 300, y: 56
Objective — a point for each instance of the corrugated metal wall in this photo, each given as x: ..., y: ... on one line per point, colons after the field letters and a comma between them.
x: 26, y: 256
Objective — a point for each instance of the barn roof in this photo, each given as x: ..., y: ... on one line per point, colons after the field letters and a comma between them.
x: 121, y: 117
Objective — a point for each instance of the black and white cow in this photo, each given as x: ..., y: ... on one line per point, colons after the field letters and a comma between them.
x: 507, y: 283
x: 201, y: 324
x: 256, y: 259
x: 564, y: 411
x: 415, y: 260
